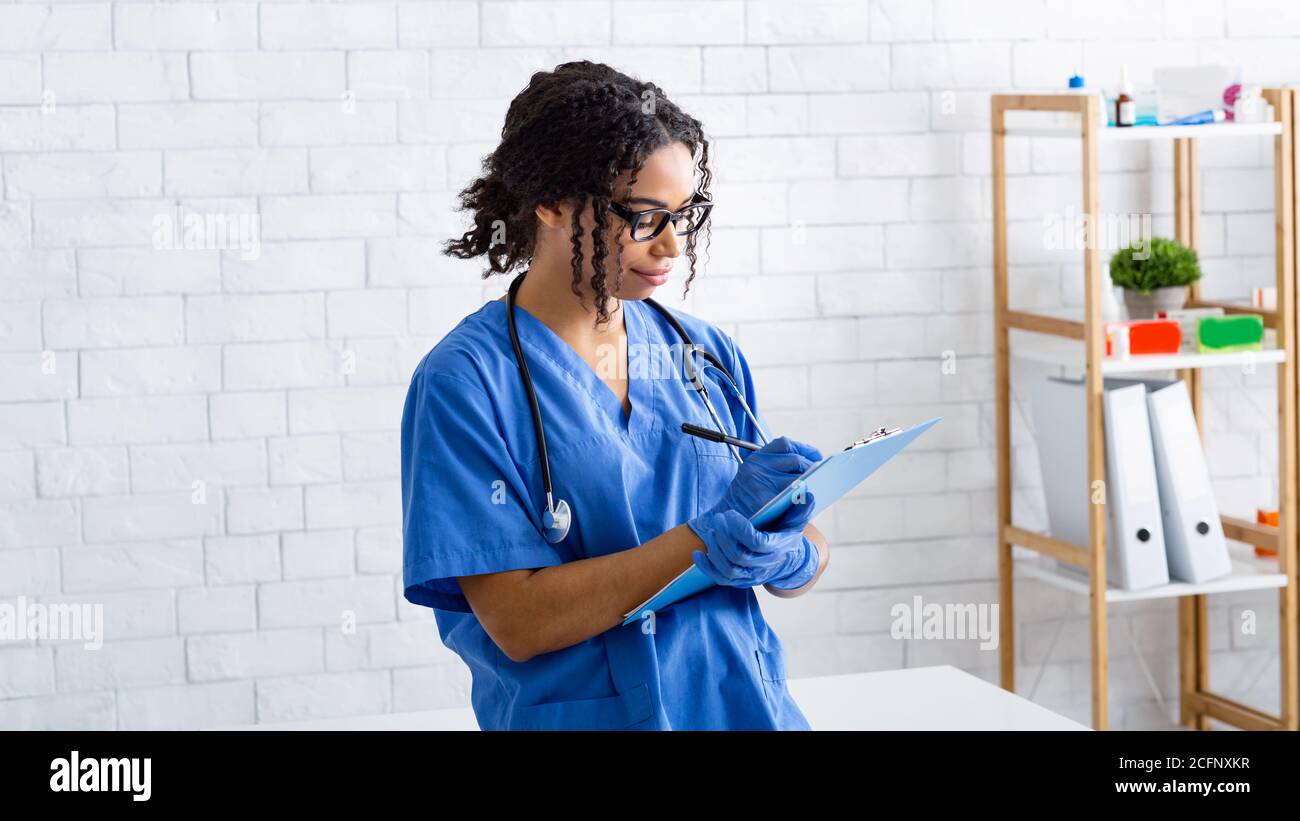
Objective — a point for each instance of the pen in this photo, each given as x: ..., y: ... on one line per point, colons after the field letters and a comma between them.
x: 718, y: 436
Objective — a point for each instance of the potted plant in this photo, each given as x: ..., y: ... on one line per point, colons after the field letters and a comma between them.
x: 1156, y: 280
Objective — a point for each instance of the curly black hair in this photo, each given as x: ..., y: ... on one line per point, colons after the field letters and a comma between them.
x: 567, y: 137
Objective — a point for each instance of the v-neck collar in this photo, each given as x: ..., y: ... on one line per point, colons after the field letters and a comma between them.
x: 544, y: 342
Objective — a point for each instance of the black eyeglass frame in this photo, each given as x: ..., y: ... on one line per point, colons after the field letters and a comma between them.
x: 633, y: 217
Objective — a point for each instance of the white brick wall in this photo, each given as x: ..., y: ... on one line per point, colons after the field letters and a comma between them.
x: 204, y: 441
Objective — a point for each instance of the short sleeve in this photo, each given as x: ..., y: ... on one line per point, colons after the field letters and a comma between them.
x: 464, y: 501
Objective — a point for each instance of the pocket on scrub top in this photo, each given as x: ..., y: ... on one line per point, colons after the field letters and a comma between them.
x: 771, y: 669
x: 612, y: 713
x: 715, y: 470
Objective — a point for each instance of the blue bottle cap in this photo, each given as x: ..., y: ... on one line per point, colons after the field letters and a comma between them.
x: 1076, y: 81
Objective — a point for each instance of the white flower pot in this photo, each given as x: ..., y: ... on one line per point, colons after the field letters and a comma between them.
x: 1145, y: 306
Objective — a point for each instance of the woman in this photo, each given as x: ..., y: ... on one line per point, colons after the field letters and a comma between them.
x: 586, y: 155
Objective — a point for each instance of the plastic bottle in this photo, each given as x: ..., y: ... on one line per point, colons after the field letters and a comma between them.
x: 1076, y: 86
x: 1110, y: 309
x: 1249, y: 106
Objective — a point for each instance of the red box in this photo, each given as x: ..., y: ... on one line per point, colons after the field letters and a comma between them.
x: 1148, y: 336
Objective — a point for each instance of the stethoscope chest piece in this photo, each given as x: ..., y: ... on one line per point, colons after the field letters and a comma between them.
x: 556, y: 521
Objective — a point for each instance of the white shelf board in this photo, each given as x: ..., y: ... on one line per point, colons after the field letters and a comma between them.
x: 1154, y: 132
x: 1060, y: 350
x: 1248, y: 573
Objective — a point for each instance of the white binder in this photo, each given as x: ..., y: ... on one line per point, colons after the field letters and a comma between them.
x: 1193, y: 531
x: 1135, y: 543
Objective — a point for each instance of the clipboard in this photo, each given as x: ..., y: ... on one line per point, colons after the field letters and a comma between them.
x: 827, y: 480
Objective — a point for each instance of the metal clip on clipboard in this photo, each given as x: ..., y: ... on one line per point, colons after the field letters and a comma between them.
x: 874, y: 435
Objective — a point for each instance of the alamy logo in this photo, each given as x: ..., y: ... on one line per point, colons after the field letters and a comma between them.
x: 183, y: 230
x: 52, y: 622
x: 75, y: 774
x: 945, y: 621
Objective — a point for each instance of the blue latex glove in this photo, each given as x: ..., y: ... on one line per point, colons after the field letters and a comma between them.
x: 741, y: 556
x: 764, y: 473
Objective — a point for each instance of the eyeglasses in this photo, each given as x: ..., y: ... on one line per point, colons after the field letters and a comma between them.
x: 646, y: 225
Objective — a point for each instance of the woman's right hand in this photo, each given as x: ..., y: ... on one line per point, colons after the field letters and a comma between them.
x: 738, y: 555
x: 764, y: 473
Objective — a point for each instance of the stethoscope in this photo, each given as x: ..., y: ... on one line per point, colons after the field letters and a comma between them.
x: 557, y: 518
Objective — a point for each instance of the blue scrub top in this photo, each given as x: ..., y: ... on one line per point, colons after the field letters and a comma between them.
x: 472, y: 500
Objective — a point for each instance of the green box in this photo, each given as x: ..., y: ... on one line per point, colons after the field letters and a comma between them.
x: 1233, y: 332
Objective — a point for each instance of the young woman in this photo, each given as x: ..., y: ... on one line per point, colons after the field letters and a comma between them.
x: 531, y: 540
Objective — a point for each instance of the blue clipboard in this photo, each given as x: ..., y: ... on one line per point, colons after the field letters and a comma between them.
x: 827, y: 481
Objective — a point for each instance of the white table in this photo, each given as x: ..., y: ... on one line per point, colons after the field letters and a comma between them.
x: 921, y: 698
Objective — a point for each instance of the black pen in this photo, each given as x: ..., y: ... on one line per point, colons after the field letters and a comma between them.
x: 718, y: 436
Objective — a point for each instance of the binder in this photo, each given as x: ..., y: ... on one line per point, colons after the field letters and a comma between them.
x: 1135, y: 540
x: 1194, y: 537
x: 826, y: 481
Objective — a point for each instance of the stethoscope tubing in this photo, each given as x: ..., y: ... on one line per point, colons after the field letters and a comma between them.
x: 538, y: 429
x: 558, y: 514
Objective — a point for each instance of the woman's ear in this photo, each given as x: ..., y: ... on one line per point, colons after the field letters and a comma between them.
x: 555, y: 216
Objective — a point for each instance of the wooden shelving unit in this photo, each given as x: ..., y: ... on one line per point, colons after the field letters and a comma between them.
x: 1081, y: 343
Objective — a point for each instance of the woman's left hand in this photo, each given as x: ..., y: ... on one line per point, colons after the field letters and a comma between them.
x: 764, y: 473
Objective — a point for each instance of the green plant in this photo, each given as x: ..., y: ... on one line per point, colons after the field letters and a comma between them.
x: 1167, y: 263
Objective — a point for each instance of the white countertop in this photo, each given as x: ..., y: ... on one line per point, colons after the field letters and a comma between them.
x: 921, y: 698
